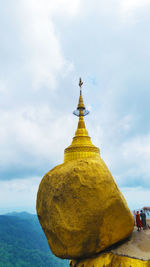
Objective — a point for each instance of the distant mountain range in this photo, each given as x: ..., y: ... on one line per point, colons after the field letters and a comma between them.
x: 23, y: 243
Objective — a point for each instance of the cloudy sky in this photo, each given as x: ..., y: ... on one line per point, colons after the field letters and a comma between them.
x: 45, y: 46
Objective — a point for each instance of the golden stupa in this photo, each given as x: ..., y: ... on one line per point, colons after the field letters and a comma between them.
x: 79, y: 205
x: 81, y: 146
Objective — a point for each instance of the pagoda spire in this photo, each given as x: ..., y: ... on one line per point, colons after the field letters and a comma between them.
x: 81, y: 146
x: 81, y: 110
x: 81, y: 104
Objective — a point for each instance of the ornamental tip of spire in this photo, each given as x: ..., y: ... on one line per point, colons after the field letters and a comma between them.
x: 80, y: 83
x: 81, y: 110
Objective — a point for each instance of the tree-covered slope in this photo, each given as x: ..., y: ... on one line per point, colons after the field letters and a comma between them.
x: 23, y: 243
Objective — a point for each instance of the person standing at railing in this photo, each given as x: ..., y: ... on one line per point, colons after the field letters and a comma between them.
x: 143, y: 219
x: 138, y: 221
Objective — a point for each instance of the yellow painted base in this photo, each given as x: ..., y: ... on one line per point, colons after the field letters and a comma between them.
x: 110, y: 260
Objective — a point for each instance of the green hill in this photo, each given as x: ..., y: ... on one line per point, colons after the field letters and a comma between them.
x: 23, y: 243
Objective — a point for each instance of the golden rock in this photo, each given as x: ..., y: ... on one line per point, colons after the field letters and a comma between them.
x: 81, y: 209
x: 79, y: 205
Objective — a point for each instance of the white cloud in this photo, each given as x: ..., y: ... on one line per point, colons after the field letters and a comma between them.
x: 68, y: 7
x: 132, y: 5
x: 126, y: 154
x: 131, y: 9
x: 139, y: 146
x: 3, y: 86
x: 32, y: 51
x: 37, y: 132
x: 44, y: 56
x: 19, y: 194
x: 128, y: 11
x: 136, y: 152
x: 32, y: 60
x: 136, y: 197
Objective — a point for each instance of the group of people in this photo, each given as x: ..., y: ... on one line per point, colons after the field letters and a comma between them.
x: 141, y: 220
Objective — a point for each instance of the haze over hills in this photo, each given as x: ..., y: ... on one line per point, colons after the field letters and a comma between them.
x: 23, y: 243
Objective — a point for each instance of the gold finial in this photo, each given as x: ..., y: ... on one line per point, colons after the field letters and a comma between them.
x: 80, y: 111
x: 80, y: 83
